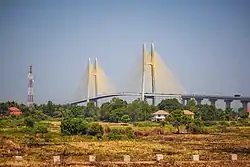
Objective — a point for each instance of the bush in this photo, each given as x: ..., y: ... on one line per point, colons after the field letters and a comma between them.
x: 210, y: 123
x: 74, y: 126
x: 89, y: 119
x: 224, y: 123
x: 42, y: 128
x: 95, y: 129
x: 29, y: 122
x: 243, y: 122
x: 39, y: 115
x: 125, y: 118
x: 233, y: 123
x: 145, y: 124
x: 193, y: 128
x: 114, y: 136
x: 26, y: 129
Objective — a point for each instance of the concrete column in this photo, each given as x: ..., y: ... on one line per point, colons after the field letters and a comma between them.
x: 184, y: 100
x: 196, y: 157
x: 153, y: 72
x: 233, y: 157
x: 212, y: 102
x: 244, y: 105
x: 159, y: 157
x: 228, y: 103
x: 92, y: 158
x: 198, y: 101
x: 143, y: 72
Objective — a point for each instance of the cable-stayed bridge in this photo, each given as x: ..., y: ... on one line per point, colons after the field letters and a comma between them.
x: 150, y: 79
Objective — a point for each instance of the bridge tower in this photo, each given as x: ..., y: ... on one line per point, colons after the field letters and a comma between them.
x: 148, y: 60
x: 92, y: 81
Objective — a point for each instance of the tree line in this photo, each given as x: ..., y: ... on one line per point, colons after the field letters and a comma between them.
x: 119, y: 110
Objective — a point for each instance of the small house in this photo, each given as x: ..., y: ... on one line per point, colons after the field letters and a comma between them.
x: 14, y: 111
x: 160, y: 115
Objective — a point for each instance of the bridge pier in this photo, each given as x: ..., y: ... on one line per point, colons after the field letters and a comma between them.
x: 198, y: 100
x: 213, y: 101
x: 228, y: 103
x: 244, y: 104
x: 184, y: 101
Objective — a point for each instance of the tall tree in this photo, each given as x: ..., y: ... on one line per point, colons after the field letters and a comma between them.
x: 177, y: 118
x: 169, y: 105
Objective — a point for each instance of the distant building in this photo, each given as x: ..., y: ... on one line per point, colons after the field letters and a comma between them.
x: 187, y: 112
x: 15, y: 111
x: 160, y: 115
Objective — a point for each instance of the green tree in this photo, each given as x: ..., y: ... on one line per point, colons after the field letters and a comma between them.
x: 29, y: 122
x: 169, y: 105
x: 243, y: 114
x: 125, y: 118
x: 191, y: 105
x: 140, y: 110
x: 74, y: 126
x: 90, y: 110
x: 177, y: 118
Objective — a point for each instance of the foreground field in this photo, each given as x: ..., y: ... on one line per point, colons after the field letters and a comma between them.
x: 214, y: 146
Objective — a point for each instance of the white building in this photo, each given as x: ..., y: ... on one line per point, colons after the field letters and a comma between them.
x: 160, y: 115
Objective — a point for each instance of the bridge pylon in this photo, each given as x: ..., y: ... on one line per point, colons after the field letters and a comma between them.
x: 92, y: 78
x: 148, y: 60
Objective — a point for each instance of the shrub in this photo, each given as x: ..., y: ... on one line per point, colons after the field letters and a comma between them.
x: 129, y: 133
x: 224, y: 123
x: 125, y: 118
x: 114, y: 136
x: 89, y: 119
x: 145, y: 124
x: 26, y: 130
x: 95, y: 129
x: 243, y: 122
x: 29, y: 122
x: 233, y: 123
x: 193, y: 128
x: 209, y: 123
x: 74, y: 126
x: 41, y: 128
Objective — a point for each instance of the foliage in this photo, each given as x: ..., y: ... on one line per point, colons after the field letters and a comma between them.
x: 243, y: 121
x: 243, y: 114
x: 145, y: 124
x: 41, y: 128
x: 191, y: 105
x: 209, y: 123
x: 74, y: 126
x: 125, y: 118
x: 29, y: 122
x: 95, y: 129
x: 177, y: 118
x: 114, y: 136
x: 169, y: 105
x: 195, y: 129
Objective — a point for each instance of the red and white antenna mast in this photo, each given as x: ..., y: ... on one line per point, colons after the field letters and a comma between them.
x: 30, y: 99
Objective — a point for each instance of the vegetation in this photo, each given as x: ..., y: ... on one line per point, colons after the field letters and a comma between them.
x: 74, y: 132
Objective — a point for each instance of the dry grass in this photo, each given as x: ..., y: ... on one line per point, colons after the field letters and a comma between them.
x: 174, y: 147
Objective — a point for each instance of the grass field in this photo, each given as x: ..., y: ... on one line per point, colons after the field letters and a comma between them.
x: 217, y: 145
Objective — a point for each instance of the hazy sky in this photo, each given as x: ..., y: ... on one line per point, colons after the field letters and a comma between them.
x: 206, y: 44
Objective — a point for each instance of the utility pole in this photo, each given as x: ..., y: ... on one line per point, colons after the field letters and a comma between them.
x: 30, y: 99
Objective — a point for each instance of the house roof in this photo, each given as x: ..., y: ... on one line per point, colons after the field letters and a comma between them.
x: 161, y: 112
x: 16, y: 113
x: 14, y: 109
x: 187, y: 112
